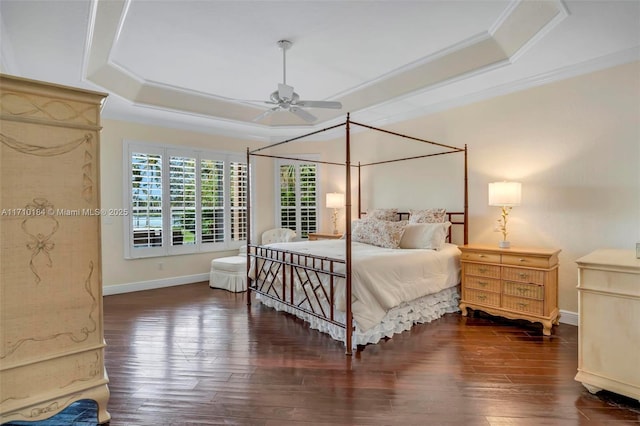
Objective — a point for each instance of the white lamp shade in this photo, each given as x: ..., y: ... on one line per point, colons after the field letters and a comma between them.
x: 505, y: 194
x: 335, y: 200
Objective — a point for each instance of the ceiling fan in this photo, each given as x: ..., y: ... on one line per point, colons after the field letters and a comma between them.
x: 285, y: 99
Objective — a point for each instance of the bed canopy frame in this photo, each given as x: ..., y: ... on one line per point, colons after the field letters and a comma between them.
x: 253, y: 249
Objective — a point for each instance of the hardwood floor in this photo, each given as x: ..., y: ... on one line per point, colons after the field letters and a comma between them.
x: 191, y: 355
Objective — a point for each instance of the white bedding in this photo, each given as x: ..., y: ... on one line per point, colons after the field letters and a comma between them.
x: 384, y: 278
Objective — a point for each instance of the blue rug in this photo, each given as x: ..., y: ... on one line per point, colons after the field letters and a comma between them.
x: 80, y: 413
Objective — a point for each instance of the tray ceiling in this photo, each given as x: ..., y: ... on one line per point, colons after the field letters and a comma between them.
x: 194, y: 64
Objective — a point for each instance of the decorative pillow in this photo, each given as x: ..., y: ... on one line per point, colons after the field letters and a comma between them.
x: 390, y: 215
x: 379, y: 233
x: 424, y: 235
x: 427, y: 216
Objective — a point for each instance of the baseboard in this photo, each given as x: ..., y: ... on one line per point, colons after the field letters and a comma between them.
x: 568, y: 317
x: 149, y: 285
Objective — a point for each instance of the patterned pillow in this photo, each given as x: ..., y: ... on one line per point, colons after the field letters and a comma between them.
x: 379, y: 233
x: 425, y: 236
x: 390, y: 215
x: 427, y: 216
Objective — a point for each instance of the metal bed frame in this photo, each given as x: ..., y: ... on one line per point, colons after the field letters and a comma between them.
x: 308, y: 269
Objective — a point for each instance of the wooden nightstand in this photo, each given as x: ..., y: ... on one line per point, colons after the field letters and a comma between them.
x: 322, y: 236
x: 515, y: 283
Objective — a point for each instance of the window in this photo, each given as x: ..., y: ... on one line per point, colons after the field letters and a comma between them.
x: 184, y: 201
x: 298, y: 201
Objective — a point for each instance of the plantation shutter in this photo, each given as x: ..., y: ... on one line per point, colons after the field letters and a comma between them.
x: 146, y: 199
x: 238, y: 200
x: 182, y: 200
x: 212, y: 205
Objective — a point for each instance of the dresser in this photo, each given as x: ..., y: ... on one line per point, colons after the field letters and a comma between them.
x: 515, y: 283
x: 51, y: 333
x: 609, y: 324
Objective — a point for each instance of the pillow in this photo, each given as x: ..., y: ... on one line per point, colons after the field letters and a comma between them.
x: 379, y: 233
x: 427, y: 216
x: 424, y: 235
x: 390, y: 215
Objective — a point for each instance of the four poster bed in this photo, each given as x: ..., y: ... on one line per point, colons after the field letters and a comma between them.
x: 396, y: 268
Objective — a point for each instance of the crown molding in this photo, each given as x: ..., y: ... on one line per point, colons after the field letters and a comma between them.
x: 607, y: 61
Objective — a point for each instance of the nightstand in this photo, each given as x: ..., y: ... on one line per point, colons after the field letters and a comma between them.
x: 322, y: 236
x: 515, y: 283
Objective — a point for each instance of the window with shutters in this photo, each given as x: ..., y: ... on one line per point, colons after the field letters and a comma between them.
x: 297, y: 182
x: 184, y: 201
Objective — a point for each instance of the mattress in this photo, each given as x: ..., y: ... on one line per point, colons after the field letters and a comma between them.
x: 382, y: 279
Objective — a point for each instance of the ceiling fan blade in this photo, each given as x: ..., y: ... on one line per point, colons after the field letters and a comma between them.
x: 266, y: 113
x: 319, y: 104
x: 309, y: 118
x: 253, y: 102
x: 285, y: 91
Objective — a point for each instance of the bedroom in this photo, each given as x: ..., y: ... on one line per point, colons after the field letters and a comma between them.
x: 572, y: 142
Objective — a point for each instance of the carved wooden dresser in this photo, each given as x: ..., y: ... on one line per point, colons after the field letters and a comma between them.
x: 51, y: 334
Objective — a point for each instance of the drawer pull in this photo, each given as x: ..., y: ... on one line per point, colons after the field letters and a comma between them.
x: 522, y: 260
x: 522, y: 290
x: 482, y: 297
x: 523, y: 275
x: 481, y: 255
x: 483, y: 283
x: 522, y: 305
x: 483, y: 270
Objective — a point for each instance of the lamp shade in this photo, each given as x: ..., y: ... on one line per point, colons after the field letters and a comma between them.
x: 505, y: 194
x: 335, y: 200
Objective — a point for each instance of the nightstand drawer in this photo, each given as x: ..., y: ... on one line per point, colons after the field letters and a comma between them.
x: 481, y: 270
x: 487, y: 284
x: 532, y: 291
x: 521, y: 304
x: 523, y: 275
x: 482, y: 297
x: 475, y: 256
x: 526, y: 261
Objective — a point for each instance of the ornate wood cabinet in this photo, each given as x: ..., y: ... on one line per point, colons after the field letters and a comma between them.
x: 514, y: 283
x: 51, y: 335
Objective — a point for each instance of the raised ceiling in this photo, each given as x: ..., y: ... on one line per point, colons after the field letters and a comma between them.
x: 194, y: 64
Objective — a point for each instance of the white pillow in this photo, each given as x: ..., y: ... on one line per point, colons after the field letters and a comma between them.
x: 424, y: 235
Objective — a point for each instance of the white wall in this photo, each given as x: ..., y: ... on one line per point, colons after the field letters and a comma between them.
x: 574, y: 145
x: 156, y: 271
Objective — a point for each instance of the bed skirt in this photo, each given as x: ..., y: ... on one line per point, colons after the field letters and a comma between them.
x: 397, y: 320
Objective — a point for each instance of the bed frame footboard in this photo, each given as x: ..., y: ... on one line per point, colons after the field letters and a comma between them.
x: 304, y: 282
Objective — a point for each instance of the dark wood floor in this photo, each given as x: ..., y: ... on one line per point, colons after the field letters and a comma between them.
x: 191, y: 355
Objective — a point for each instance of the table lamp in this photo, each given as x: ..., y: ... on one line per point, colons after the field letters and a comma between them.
x: 335, y: 201
x: 505, y: 195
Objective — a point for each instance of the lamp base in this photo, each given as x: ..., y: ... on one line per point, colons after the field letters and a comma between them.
x: 504, y: 244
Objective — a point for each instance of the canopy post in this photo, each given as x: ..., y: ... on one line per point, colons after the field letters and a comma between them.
x: 248, y: 226
x: 349, y: 313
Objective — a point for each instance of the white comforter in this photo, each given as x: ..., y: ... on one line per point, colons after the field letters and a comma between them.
x: 384, y: 278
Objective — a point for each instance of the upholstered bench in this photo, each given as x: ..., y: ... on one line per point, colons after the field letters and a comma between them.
x: 229, y: 273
